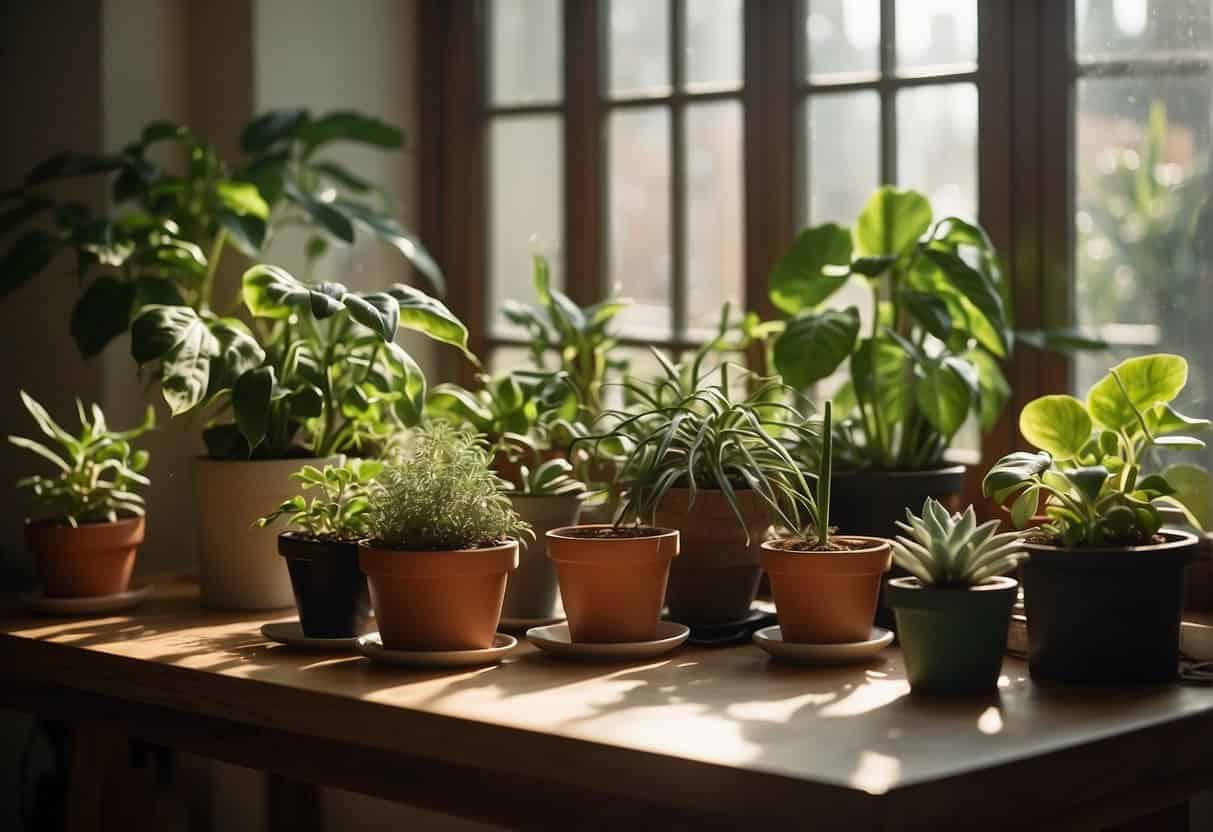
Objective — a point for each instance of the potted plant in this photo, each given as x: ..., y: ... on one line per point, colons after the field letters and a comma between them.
x: 825, y: 586
x: 92, y: 523
x: 717, y: 466
x: 318, y: 375
x: 320, y: 546
x: 548, y: 497
x: 443, y: 540
x: 1103, y: 585
x: 954, y: 609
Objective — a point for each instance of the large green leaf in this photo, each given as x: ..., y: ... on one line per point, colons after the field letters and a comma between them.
x: 816, y: 266
x: 995, y: 391
x: 342, y: 176
x: 271, y: 292
x: 378, y: 312
x: 814, y: 345
x: 28, y: 256
x: 184, y: 345
x: 1192, y: 488
x: 245, y: 231
x: 348, y: 126
x: 1148, y: 380
x: 322, y: 213
x: 976, y: 288
x: 406, y: 242
x: 1014, y: 470
x: 879, y: 378
x: 1057, y: 424
x: 1163, y: 419
x: 251, y: 397
x: 892, y: 222
x: 102, y: 313
x: 930, y: 311
x: 410, y: 408
x: 427, y: 315
x: 238, y: 353
x: 270, y: 128
x: 460, y: 406
x: 944, y: 395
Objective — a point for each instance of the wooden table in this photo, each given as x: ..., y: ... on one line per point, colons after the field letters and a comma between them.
x: 704, y: 738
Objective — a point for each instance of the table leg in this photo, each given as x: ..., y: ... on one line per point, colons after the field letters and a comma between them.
x: 98, y: 750
x: 292, y: 805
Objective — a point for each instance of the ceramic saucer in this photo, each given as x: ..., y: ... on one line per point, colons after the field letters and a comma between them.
x: 96, y: 605
x: 771, y: 640
x: 555, y: 639
x: 1196, y: 640
x: 371, y: 646
x: 521, y: 625
x: 291, y: 634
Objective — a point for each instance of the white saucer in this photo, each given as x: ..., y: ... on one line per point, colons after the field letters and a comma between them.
x: 521, y: 625
x: 371, y: 646
x: 291, y: 634
x: 555, y: 639
x: 96, y: 605
x: 1196, y: 641
x: 771, y: 640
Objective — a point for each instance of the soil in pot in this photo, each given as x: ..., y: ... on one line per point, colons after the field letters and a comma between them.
x: 952, y: 639
x: 613, y: 580
x: 716, y: 576
x: 1106, y: 616
x: 85, y: 561
x: 330, y: 589
x: 826, y: 597
x: 532, y: 590
x: 438, y: 600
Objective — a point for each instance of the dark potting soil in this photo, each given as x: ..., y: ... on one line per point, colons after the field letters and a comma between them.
x: 832, y: 545
x: 611, y: 532
x: 1128, y: 543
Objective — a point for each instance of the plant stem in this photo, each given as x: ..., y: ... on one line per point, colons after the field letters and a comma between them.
x: 823, y: 476
x: 212, y: 266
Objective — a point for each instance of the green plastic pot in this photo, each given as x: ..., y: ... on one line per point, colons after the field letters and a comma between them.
x: 952, y: 639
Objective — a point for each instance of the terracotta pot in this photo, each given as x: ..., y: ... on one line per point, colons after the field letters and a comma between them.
x: 238, y: 563
x: 613, y: 587
x: 1106, y: 616
x: 330, y: 589
x: 445, y: 600
x: 85, y: 561
x: 716, y: 576
x: 953, y: 638
x: 532, y: 591
x: 826, y: 597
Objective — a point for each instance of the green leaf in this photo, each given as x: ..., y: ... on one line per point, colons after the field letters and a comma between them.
x: 892, y: 222
x: 873, y: 266
x: 348, y: 126
x: 406, y: 242
x: 67, y: 164
x: 271, y: 292
x: 378, y: 312
x: 242, y: 198
x: 29, y: 255
x: 879, y: 378
x: 183, y: 344
x: 1163, y: 419
x: 1193, y: 488
x: 994, y: 389
x: 1025, y: 507
x: 974, y: 287
x: 427, y: 315
x: 930, y: 311
x: 238, y: 353
x: 101, y: 314
x: 342, y: 176
x: 251, y: 397
x: 817, y: 265
x: 322, y: 213
x: 452, y: 402
x: 1015, y: 469
x: 1057, y: 424
x: 269, y: 128
x: 1148, y: 381
x: 26, y: 209
x: 245, y: 231
x: 1089, y: 480
x: 815, y: 344
x: 944, y: 396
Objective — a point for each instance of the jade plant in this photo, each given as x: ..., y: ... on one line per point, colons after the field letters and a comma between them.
x: 171, y: 226
x: 950, y: 550
x: 340, y: 510
x: 441, y: 495
x: 693, y: 430
x: 578, y: 337
x: 1091, y: 474
x: 321, y: 375
x: 98, y: 470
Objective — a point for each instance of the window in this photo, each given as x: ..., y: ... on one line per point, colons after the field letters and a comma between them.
x: 1141, y: 226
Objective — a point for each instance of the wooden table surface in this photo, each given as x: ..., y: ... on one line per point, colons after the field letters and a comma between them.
x: 702, y: 735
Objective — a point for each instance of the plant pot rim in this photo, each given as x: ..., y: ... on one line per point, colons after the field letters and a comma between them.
x: 54, y: 523
x: 877, y: 543
x: 377, y: 561
x: 1180, y: 545
x: 561, y: 533
x: 296, y: 545
x: 373, y: 545
x: 998, y: 583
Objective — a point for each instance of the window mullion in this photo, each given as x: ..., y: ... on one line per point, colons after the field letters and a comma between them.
x: 678, y: 276
x: 584, y: 193
x: 888, y: 92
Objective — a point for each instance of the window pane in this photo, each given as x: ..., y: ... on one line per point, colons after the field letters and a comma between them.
x: 1142, y: 236
x: 639, y: 188
x: 524, y: 49
x: 714, y: 200
x: 526, y: 207
x: 937, y: 146
x: 843, y: 135
x: 936, y: 33
x: 639, y: 48
x: 1136, y: 27
x: 842, y: 37
x: 509, y: 358
x: 713, y: 43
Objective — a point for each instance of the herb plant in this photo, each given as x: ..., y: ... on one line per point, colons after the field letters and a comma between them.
x: 98, y: 469
x: 946, y: 550
x: 442, y: 495
x: 1089, y: 471
x: 167, y: 235
x: 578, y: 337
x: 340, y: 510
x: 691, y: 430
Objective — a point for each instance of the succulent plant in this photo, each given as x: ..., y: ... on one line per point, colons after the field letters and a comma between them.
x: 951, y: 550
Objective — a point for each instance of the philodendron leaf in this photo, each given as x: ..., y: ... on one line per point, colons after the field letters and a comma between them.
x: 271, y: 292
x: 184, y: 345
x: 815, y: 344
x: 945, y: 395
x: 891, y: 222
x: 251, y: 397
x: 1192, y: 487
x: 878, y: 378
x: 378, y: 312
x: 995, y: 391
x: 817, y: 266
x: 1148, y: 380
x: 931, y: 312
x: 102, y: 313
x: 1057, y: 424
x: 975, y: 288
x: 427, y: 315
x: 1014, y: 470
x: 1089, y: 480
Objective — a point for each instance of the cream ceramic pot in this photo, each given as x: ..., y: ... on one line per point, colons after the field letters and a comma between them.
x: 238, y: 563
x: 532, y: 591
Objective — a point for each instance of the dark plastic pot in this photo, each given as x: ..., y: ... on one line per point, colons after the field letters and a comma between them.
x: 1106, y: 616
x: 871, y: 502
x: 330, y: 589
x: 952, y: 639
